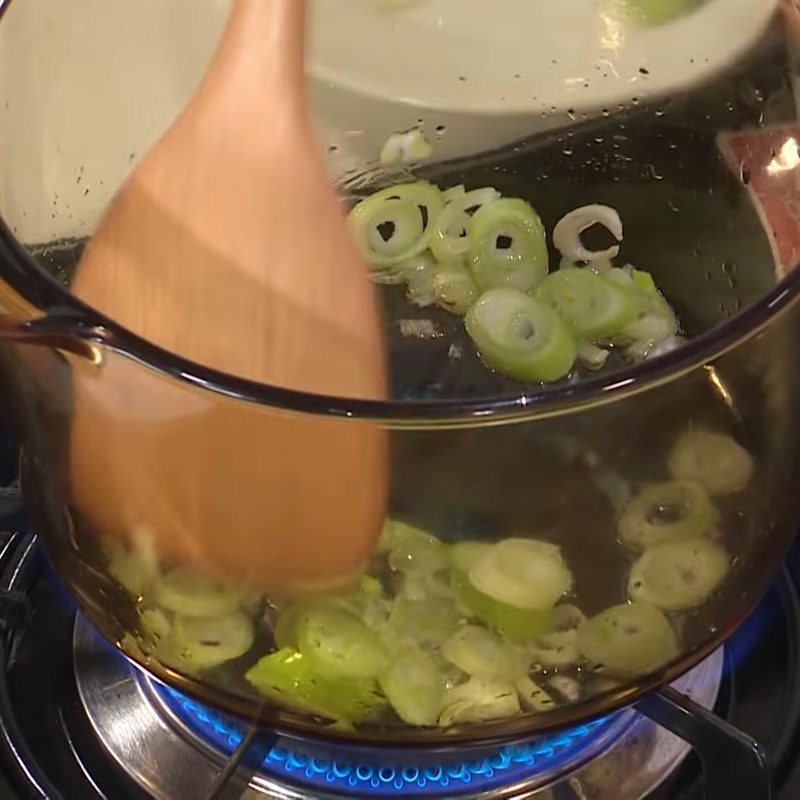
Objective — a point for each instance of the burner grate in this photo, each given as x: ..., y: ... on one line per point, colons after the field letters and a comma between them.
x: 381, y: 773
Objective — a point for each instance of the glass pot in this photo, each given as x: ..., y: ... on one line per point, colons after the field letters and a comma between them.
x: 473, y: 456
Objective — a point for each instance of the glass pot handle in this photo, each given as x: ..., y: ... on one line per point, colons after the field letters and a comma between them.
x: 65, y: 332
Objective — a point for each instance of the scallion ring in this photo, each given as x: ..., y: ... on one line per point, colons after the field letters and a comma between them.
x: 593, y: 307
x: 568, y: 230
x: 675, y: 576
x: 714, y: 460
x: 394, y: 224
x: 507, y: 246
x: 454, y: 288
x: 666, y: 512
x: 420, y: 273
x: 526, y: 573
x: 520, y: 336
x: 453, y: 192
x: 627, y: 640
x: 591, y: 356
x: 449, y: 237
x: 406, y: 147
x: 656, y: 321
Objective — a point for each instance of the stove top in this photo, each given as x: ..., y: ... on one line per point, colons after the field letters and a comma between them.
x: 78, y: 721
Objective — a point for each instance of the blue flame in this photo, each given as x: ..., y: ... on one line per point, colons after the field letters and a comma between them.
x: 382, y: 773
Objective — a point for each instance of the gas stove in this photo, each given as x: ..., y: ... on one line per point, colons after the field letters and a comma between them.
x: 77, y: 720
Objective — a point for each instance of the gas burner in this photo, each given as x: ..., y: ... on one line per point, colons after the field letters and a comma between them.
x: 174, y: 747
x: 372, y: 774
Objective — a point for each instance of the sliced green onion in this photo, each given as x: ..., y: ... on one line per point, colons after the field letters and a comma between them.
x: 415, y: 688
x: 367, y: 603
x: 567, y: 617
x: 290, y: 679
x: 407, y: 227
x: 422, y: 584
x: 374, y: 611
x: 623, y: 277
x: 204, y: 642
x: 644, y: 282
x: 389, y: 225
x: 517, y: 624
x: 479, y: 652
x: 566, y: 686
x: 666, y: 512
x: 388, y: 276
x: 638, y: 351
x: 405, y: 147
x: 653, y: 322
x: 479, y: 700
x: 593, y: 307
x: 525, y: 573
x: 155, y: 624
x: 678, y: 575
x: 655, y: 12
x: 567, y: 232
x: 714, y: 460
x: 454, y: 288
x: 651, y: 328
x: 559, y: 648
x: 464, y: 554
x: 449, y: 237
x: 134, y: 566
x: 427, y: 621
x: 520, y: 336
x: 453, y: 192
x: 369, y: 586
x: 656, y: 321
x: 628, y: 640
x: 408, y: 547
x: 487, y: 577
x: 340, y: 643
x: 416, y: 147
x: 592, y: 356
x: 507, y: 246
x: 185, y: 591
x: 419, y: 273
x: 155, y: 637
x: 532, y: 696
x: 599, y: 265
x: 284, y: 631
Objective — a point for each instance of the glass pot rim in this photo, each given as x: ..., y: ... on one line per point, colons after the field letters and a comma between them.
x: 69, y: 318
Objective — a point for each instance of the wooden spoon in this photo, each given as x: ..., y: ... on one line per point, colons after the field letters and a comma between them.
x: 227, y: 245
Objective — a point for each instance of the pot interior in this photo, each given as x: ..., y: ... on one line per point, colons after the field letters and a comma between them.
x: 665, y: 158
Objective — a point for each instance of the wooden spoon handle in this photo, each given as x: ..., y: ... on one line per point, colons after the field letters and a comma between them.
x: 261, y: 53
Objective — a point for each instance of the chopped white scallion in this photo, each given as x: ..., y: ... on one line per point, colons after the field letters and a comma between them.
x: 532, y: 696
x: 419, y: 328
x: 567, y: 232
x: 566, y: 686
x: 455, y: 351
x: 592, y: 356
x: 643, y: 349
x: 406, y: 147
